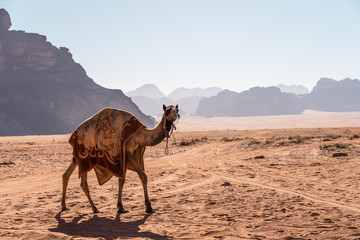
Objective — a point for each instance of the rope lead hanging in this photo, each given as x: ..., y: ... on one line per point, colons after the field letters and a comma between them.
x: 167, y: 136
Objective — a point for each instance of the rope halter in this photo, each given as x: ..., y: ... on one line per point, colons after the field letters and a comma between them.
x: 168, y: 133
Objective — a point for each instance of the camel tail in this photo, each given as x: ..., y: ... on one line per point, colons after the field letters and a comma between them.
x: 73, y: 143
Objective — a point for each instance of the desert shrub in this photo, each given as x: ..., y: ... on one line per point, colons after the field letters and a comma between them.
x: 225, y: 139
x: 354, y: 136
x: 333, y: 136
x: 184, y: 142
x: 187, y: 142
x: 340, y: 145
x: 283, y: 143
x: 299, y: 139
x: 336, y: 145
x: 254, y: 142
x: 323, y: 147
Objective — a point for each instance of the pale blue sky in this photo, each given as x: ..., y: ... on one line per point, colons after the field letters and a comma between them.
x: 200, y: 43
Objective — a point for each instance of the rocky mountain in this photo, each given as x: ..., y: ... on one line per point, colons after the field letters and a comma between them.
x: 148, y: 90
x: 44, y: 91
x: 256, y: 101
x: 296, y: 89
x: 189, y: 104
x: 152, y: 107
x: 333, y: 96
x: 181, y: 93
x: 328, y: 95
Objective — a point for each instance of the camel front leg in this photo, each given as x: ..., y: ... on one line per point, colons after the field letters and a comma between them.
x: 65, y: 178
x: 121, y: 185
x: 131, y: 159
x: 85, y: 187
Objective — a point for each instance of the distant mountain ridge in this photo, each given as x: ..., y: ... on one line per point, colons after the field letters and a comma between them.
x: 149, y: 96
x: 256, y: 101
x: 333, y: 96
x: 44, y: 91
x: 296, y: 89
x: 328, y: 95
x: 148, y: 90
x: 182, y: 92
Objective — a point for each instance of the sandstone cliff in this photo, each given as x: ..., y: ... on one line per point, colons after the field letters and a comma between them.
x: 44, y: 91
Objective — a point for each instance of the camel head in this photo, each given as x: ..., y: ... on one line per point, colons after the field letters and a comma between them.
x: 171, y: 113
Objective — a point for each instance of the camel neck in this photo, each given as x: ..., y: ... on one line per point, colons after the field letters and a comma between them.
x: 152, y: 137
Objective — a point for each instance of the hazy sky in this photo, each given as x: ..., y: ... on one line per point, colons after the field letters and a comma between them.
x: 200, y: 43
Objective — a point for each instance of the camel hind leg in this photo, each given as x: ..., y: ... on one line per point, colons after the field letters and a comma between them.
x: 121, y: 186
x: 65, y: 178
x: 130, y: 157
x: 85, y: 187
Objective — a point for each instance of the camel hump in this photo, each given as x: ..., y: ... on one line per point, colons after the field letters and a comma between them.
x: 115, y: 114
x: 104, y: 130
x: 100, y: 141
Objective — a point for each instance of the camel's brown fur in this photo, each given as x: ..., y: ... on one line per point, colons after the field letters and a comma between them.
x: 134, y: 150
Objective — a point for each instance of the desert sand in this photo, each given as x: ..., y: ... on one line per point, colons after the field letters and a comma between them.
x: 225, y: 178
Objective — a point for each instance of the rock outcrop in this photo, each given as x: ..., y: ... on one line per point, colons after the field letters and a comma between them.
x: 5, y: 21
x: 333, y: 96
x: 328, y: 95
x: 44, y: 91
x: 256, y: 101
x: 296, y: 89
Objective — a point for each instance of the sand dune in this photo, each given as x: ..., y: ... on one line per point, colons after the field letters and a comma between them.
x: 280, y: 183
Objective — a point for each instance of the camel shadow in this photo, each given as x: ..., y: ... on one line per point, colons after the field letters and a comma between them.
x: 102, y: 227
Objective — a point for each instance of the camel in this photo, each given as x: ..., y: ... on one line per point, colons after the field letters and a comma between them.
x: 97, y: 145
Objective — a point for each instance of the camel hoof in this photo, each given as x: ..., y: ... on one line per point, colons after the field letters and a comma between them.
x: 64, y: 209
x: 122, y: 211
x: 150, y: 210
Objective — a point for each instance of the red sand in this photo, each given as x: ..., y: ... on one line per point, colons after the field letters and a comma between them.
x: 243, y: 184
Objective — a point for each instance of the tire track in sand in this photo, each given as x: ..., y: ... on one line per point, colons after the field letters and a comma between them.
x: 287, y: 191
x: 266, y: 186
x: 187, y: 187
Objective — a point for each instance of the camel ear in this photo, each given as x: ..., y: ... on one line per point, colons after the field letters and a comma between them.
x: 177, y: 107
x: 164, y: 107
